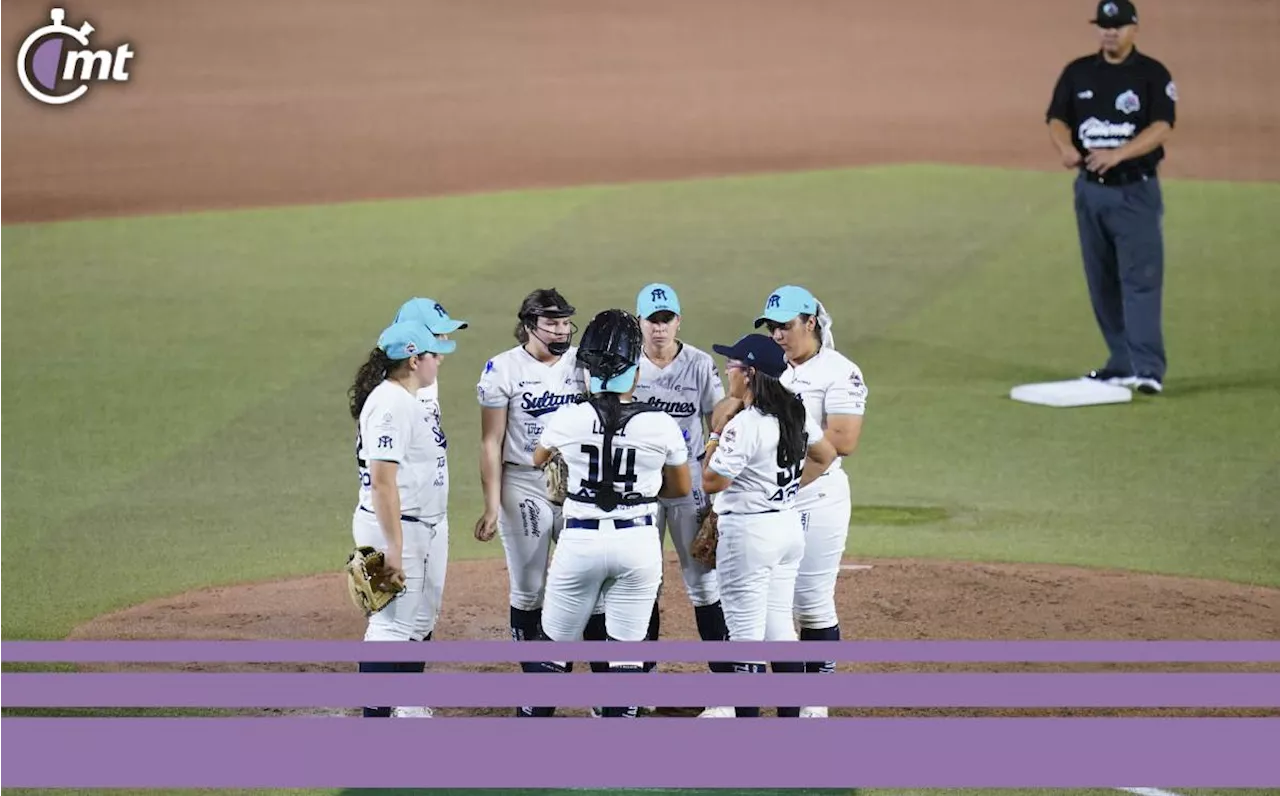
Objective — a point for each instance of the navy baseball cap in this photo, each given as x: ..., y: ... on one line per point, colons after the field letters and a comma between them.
x: 429, y: 312
x: 1115, y: 14
x: 656, y: 297
x: 757, y: 350
x: 412, y: 338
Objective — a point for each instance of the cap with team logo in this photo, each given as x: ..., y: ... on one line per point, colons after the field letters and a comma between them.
x: 757, y: 350
x: 1115, y: 14
x: 786, y: 303
x: 430, y: 313
x: 410, y: 338
x: 656, y: 298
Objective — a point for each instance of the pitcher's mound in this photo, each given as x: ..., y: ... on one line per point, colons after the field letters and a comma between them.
x: 878, y: 599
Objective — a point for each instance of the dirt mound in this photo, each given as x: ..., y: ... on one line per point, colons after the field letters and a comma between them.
x: 878, y: 599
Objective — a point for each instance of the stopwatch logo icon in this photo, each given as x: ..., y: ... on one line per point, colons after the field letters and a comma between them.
x: 57, y: 66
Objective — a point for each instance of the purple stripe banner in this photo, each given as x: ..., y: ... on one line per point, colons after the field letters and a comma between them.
x: 451, y: 689
x: 508, y: 651
x: 456, y: 753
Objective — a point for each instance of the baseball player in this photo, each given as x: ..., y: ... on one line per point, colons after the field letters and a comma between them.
x: 518, y: 392
x: 835, y: 394
x: 433, y: 315
x: 759, y: 460
x: 682, y: 381
x: 404, y: 484
x: 621, y: 455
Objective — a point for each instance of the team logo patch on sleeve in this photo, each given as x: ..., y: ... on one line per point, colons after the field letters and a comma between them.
x: 1171, y: 91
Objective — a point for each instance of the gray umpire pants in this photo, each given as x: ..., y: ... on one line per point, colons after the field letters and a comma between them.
x: 1122, y: 241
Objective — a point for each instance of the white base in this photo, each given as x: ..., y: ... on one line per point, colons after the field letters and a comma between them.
x: 1076, y: 392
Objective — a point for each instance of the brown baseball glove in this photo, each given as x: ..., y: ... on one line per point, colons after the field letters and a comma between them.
x: 703, y: 548
x: 370, y: 582
x: 557, y: 472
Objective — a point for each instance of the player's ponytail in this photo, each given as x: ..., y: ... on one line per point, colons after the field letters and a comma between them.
x: 370, y: 375
x: 771, y: 398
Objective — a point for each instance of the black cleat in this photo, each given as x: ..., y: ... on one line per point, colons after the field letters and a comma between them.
x: 1115, y: 377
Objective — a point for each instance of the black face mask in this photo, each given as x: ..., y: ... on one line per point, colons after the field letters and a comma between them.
x: 557, y: 348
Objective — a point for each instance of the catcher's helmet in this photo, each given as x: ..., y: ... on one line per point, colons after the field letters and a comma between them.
x: 610, y: 351
x: 545, y: 303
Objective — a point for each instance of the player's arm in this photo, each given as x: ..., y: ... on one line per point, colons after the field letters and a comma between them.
x: 493, y: 432
x: 843, y: 432
x: 550, y: 439
x: 677, y: 479
x: 1058, y: 117
x: 844, y: 403
x: 386, y: 507
x: 727, y: 456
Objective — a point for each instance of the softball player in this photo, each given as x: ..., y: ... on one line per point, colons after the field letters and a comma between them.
x: 682, y: 381
x: 622, y: 455
x: 404, y: 484
x: 432, y: 315
x: 518, y: 391
x: 834, y: 393
x: 758, y: 462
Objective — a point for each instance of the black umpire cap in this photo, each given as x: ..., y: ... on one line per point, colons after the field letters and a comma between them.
x: 1115, y: 14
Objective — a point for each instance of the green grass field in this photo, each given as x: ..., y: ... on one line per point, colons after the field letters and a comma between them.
x: 175, y: 386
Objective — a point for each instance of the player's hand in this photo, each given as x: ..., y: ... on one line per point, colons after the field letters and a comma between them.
x: 1071, y: 158
x: 395, y: 565
x: 486, y: 526
x: 724, y: 412
x: 1103, y: 160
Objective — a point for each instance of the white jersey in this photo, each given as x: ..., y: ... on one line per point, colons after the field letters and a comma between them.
x: 530, y: 391
x: 394, y: 427
x: 687, y: 389
x: 430, y: 394
x: 748, y: 454
x: 648, y: 442
x: 829, y: 384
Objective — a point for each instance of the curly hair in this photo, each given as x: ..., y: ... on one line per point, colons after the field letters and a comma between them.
x: 369, y: 376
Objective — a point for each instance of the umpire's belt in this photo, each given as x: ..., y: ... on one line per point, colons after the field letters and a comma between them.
x: 403, y: 517
x: 594, y: 525
x: 1115, y: 179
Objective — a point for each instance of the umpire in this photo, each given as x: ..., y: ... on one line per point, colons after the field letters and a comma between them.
x: 1111, y: 113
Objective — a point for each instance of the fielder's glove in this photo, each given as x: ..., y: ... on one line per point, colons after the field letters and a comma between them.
x: 371, y: 583
x: 557, y: 473
x: 703, y: 548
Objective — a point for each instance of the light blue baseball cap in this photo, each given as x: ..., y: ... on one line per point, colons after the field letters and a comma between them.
x: 620, y: 384
x: 656, y: 297
x: 429, y: 312
x: 411, y: 338
x: 786, y: 303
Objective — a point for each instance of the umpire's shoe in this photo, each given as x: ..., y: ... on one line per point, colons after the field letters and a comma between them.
x: 1148, y: 385
x: 1113, y: 377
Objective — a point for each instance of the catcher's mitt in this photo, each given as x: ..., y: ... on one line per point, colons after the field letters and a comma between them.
x: 557, y: 472
x: 703, y: 548
x: 371, y: 584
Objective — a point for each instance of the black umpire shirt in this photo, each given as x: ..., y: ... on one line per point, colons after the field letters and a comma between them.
x: 1107, y: 105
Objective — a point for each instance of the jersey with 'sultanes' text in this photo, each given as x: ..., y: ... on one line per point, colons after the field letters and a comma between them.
x: 748, y: 454
x: 647, y: 443
x: 396, y: 427
x: 687, y: 389
x: 1108, y: 105
x: 530, y: 391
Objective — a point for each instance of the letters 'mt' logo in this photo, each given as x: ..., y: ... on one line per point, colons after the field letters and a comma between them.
x: 56, y: 65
